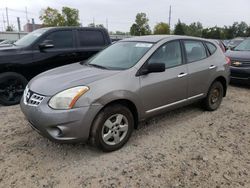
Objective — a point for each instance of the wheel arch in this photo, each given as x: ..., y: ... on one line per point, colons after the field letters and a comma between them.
x: 223, y: 81
x: 125, y: 102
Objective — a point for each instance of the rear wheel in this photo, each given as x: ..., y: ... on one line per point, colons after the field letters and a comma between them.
x: 12, y: 86
x: 112, y: 128
x: 214, y: 97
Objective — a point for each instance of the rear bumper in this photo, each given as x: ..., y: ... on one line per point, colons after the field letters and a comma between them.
x: 63, y: 126
x: 240, y: 75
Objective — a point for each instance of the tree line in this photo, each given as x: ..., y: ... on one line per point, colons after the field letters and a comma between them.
x: 70, y: 17
x: 141, y: 27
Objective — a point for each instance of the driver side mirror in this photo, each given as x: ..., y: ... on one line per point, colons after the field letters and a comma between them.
x: 46, y: 45
x: 152, y: 67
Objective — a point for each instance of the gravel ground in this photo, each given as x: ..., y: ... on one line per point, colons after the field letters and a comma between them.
x: 183, y: 148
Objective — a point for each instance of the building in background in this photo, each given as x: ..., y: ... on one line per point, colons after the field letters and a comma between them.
x: 29, y: 27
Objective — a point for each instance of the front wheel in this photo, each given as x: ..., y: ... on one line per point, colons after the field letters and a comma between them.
x: 214, y: 97
x: 12, y: 86
x: 112, y: 128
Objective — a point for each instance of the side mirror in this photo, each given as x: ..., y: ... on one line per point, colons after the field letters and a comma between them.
x: 153, y: 67
x: 46, y: 44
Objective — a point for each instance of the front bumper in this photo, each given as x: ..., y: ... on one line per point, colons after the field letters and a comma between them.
x: 240, y: 75
x: 63, y: 126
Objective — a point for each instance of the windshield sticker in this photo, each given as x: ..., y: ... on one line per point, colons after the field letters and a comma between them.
x: 143, y: 45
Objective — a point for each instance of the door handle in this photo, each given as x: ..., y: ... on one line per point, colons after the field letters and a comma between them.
x: 212, y: 67
x: 182, y: 75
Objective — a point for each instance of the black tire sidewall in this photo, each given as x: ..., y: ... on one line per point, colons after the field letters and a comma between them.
x: 100, y: 120
x: 13, y: 75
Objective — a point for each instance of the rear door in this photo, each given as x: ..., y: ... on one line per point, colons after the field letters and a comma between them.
x: 162, y: 90
x: 200, y: 67
x: 89, y: 42
x: 62, y: 53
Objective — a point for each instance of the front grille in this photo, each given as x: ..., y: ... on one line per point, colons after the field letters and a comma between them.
x: 236, y: 63
x: 31, y: 98
x: 35, y: 99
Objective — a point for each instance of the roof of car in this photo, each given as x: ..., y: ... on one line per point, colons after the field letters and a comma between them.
x: 71, y: 27
x: 157, y: 38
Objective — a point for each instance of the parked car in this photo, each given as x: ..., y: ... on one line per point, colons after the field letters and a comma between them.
x: 103, y: 99
x: 234, y: 42
x: 7, y: 43
x: 42, y: 50
x: 240, y: 62
x: 221, y: 44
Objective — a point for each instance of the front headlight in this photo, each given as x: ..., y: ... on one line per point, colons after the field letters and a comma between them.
x: 67, y: 98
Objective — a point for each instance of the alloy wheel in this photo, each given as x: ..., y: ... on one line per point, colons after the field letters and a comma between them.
x: 115, y: 129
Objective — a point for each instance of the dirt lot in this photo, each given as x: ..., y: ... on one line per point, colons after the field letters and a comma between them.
x: 184, y: 148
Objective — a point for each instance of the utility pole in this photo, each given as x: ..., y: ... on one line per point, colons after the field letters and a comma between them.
x: 4, y: 22
x: 33, y: 24
x: 26, y: 13
x: 19, y: 24
x: 94, y: 21
x: 107, y: 24
x: 7, y: 16
x: 169, y: 18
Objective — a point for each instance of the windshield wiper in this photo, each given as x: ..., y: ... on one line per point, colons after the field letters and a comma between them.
x: 97, y: 66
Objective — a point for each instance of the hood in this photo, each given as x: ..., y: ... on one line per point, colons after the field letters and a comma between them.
x: 238, y: 55
x: 7, y: 50
x: 53, y: 81
x: 5, y: 45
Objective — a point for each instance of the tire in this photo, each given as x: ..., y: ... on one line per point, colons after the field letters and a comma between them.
x: 214, y: 96
x: 12, y: 86
x: 104, y: 125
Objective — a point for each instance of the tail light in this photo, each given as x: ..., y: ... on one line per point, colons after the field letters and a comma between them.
x: 228, y: 60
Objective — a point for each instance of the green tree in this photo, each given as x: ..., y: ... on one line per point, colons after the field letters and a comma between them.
x: 10, y: 28
x: 96, y: 25
x: 180, y: 28
x: 91, y: 25
x: 70, y: 16
x: 99, y: 25
x: 213, y: 33
x: 134, y: 30
x: 248, y: 32
x: 161, y: 28
x: 242, y: 29
x: 52, y: 17
x: 140, y: 27
x: 194, y: 29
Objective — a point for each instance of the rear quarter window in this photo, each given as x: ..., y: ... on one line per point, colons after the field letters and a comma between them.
x: 91, y: 38
x: 211, y: 47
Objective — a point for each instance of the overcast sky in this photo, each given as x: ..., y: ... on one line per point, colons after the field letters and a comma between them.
x: 121, y: 13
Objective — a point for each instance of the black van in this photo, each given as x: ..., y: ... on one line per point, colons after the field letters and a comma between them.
x: 44, y: 49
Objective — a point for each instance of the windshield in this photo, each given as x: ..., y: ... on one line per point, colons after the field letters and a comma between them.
x: 243, y: 46
x: 121, y: 55
x: 31, y: 37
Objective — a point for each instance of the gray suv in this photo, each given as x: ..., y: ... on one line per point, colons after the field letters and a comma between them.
x: 102, y: 100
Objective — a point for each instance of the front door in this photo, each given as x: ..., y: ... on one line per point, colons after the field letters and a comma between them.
x: 61, y: 54
x: 161, y: 90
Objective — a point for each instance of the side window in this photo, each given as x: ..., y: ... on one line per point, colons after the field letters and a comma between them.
x: 169, y: 54
x: 212, y: 48
x: 91, y: 38
x: 195, y: 50
x: 61, y: 39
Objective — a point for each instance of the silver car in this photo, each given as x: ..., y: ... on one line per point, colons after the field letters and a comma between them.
x: 102, y: 100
